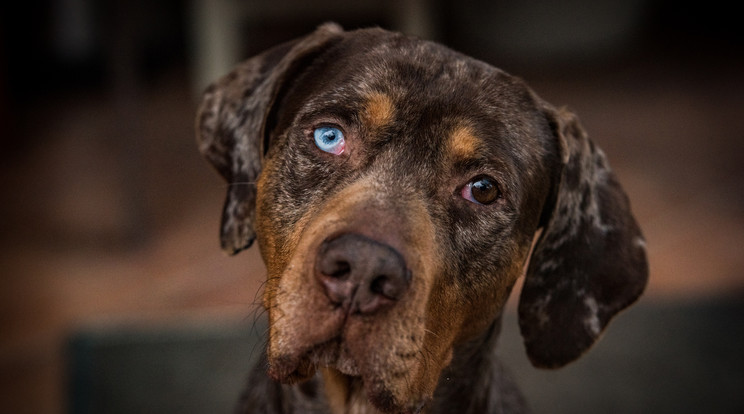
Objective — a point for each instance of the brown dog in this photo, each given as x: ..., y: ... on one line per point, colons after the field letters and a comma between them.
x: 395, y: 188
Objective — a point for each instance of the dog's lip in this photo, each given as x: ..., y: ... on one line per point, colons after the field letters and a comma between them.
x: 344, y: 363
x: 338, y: 354
x: 333, y: 354
x: 303, y: 363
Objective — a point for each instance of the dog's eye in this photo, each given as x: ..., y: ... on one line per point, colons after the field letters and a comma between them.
x: 330, y: 139
x: 481, y: 190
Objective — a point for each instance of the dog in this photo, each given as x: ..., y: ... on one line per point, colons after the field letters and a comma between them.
x: 396, y: 188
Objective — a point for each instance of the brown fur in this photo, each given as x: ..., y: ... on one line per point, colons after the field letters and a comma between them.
x: 420, y: 122
x: 378, y: 111
x: 463, y: 144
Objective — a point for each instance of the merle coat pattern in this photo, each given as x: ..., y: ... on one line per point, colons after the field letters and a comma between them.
x: 389, y: 262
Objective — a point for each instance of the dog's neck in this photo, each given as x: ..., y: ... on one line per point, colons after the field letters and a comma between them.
x: 475, y: 381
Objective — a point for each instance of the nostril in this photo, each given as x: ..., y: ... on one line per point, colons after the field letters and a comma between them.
x: 338, y: 270
x: 379, y: 285
x: 386, y: 286
x: 333, y: 262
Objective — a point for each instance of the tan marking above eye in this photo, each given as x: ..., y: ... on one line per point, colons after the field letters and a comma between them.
x: 463, y: 143
x: 378, y: 110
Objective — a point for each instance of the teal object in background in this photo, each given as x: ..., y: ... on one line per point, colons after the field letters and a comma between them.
x: 185, y: 369
x: 654, y: 358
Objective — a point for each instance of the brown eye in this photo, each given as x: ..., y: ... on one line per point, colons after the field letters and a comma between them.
x: 481, y: 190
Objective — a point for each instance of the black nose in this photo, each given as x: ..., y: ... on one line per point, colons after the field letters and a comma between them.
x: 361, y: 275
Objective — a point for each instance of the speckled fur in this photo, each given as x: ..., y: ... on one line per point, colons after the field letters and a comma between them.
x: 420, y: 122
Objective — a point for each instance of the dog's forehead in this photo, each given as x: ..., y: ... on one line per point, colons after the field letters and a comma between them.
x: 389, y: 80
x: 405, y: 68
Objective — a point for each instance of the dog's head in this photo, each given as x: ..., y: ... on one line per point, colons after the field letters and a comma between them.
x: 395, y: 188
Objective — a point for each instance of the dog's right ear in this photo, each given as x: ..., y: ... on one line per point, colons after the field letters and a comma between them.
x: 230, y: 126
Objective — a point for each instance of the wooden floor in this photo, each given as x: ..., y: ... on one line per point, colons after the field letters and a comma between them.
x: 110, y: 216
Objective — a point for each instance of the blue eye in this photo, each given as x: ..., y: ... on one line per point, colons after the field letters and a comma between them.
x: 330, y: 139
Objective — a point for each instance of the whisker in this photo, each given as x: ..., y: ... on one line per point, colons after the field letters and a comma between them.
x: 431, y: 332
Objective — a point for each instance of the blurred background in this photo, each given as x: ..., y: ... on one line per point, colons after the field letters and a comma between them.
x: 115, y: 296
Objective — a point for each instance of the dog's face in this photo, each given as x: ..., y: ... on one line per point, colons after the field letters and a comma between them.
x: 395, y: 187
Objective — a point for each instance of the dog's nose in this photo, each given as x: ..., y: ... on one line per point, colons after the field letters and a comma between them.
x: 361, y: 275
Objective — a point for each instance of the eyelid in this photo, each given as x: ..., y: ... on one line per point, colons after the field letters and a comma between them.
x: 326, y: 122
x: 317, y: 119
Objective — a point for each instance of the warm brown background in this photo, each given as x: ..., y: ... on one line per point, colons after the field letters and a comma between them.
x: 109, y: 215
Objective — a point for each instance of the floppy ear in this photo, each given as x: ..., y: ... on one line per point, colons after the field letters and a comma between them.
x: 230, y: 126
x: 590, y: 261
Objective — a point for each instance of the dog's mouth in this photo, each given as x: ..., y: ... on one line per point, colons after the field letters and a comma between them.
x: 304, y: 364
x: 356, y: 367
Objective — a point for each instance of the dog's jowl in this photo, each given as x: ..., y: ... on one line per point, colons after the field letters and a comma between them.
x: 395, y: 187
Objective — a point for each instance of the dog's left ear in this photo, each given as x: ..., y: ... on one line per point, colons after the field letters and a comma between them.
x: 590, y: 260
x: 230, y: 126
